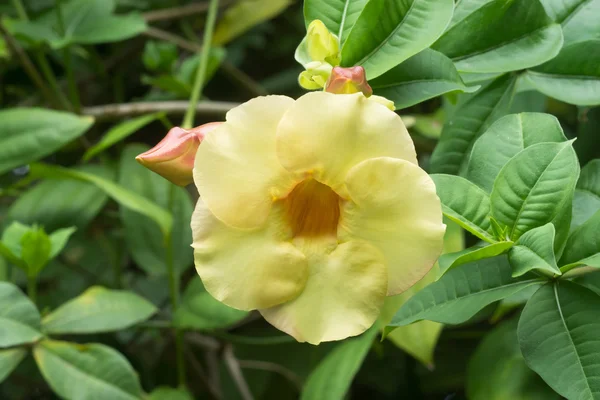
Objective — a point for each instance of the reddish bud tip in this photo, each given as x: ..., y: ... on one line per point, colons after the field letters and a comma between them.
x: 348, y: 80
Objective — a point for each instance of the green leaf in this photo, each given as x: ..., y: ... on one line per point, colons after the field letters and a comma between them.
x: 19, y: 318
x: 9, y: 360
x: 144, y: 242
x: 339, y: 16
x: 573, y: 76
x: 199, y: 310
x: 505, y: 139
x: 167, y: 393
x: 469, y: 121
x: 558, y: 334
x: 579, y: 18
x: 461, y: 293
x: 331, y: 379
x: 465, y: 204
x: 534, y: 250
x: 121, y: 195
x: 28, y: 134
x: 464, y: 8
x: 86, y: 371
x: 425, y: 75
x: 160, y: 56
x: 98, y: 310
x: 502, y: 36
x: 536, y: 187
x: 587, y: 194
x: 497, y: 363
x: 120, y: 132
x: 55, y: 205
x: 388, y: 32
x: 10, y: 245
x: 481, y: 253
x: 59, y: 239
x: 583, y: 245
x: 35, y: 250
x: 85, y: 22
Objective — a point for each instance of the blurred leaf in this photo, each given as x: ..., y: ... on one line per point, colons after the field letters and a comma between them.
x: 387, y: 32
x: 120, y: 132
x: 579, y: 18
x: 244, y: 15
x: 332, y: 378
x: 583, y: 245
x: 86, y: 371
x: 159, y: 56
x: 504, y: 139
x: 468, y: 122
x: 9, y: 360
x: 98, y: 310
x: 35, y: 250
x: 587, y: 194
x: 28, y: 134
x: 492, y: 250
x: 121, y: 195
x: 199, y: 310
x: 166, y: 393
x: 534, y: 250
x: 144, y: 241
x: 573, y: 76
x: 19, y: 318
x: 430, y: 125
x: 4, y: 271
x: 338, y: 16
x: 85, y: 22
x: 498, y: 364
x: 558, y: 337
x: 59, y: 239
x: 502, y: 36
x: 423, y: 76
x: 10, y: 245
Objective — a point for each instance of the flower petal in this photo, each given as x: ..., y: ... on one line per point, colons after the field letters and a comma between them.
x: 247, y: 269
x: 327, y: 134
x: 236, y: 169
x: 343, y: 296
x: 394, y: 206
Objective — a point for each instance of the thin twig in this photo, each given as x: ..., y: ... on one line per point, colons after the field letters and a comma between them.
x: 73, y: 93
x: 201, y: 373
x: 235, y: 370
x: 175, y: 39
x: 202, y: 341
x: 178, y: 12
x: 272, y: 367
x: 116, y: 111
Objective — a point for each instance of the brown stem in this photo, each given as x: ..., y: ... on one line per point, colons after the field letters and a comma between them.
x: 116, y: 111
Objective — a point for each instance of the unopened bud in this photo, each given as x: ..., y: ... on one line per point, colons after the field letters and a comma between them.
x: 315, y: 76
x: 348, y: 80
x: 321, y: 44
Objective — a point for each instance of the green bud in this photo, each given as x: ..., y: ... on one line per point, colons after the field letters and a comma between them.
x: 316, y: 75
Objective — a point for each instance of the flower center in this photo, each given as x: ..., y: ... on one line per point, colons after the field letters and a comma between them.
x: 312, y: 209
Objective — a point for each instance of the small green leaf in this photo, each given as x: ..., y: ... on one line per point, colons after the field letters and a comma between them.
x: 469, y: 121
x: 534, y: 250
x: 35, y: 250
x: 504, y: 139
x: 583, y: 245
x: 28, y: 134
x: 19, y: 318
x: 587, y: 194
x: 558, y: 335
x: 465, y: 204
x: 332, y: 378
x: 199, y: 310
x: 461, y: 293
x: 388, y: 32
x: 481, y: 253
x: 9, y: 360
x: 98, y: 310
x: 579, y: 18
x: 423, y: 76
x: 338, y: 16
x: 167, y: 393
x: 86, y: 371
x: 59, y: 239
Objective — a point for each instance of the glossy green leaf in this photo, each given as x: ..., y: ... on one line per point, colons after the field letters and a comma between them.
x: 425, y: 75
x: 493, y: 250
x: 19, y: 318
x: 573, y: 76
x: 558, y: 334
x: 121, y: 195
x: 120, y: 132
x: 98, y: 310
x: 504, y: 139
x: 145, y: 243
x: 338, y: 16
x: 583, y: 245
x: 28, y: 134
x: 9, y: 360
x: 464, y: 8
x: 332, y: 378
x: 461, y: 293
x: 469, y: 121
x: 502, y: 36
x: 86, y: 371
x: 579, y: 18
x: 497, y: 370
x: 167, y: 393
x: 534, y: 250
x: 536, y: 187
x: 587, y: 194
x: 388, y: 32
x: 465, y: 204
x: 199, y: 310
x: 35, y: 250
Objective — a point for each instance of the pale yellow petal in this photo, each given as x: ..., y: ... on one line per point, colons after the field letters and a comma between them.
x: 247, y: 269
x: 394, y: 206
x: 327, y: 134
x: 236, y: 169
x: 343, y: 295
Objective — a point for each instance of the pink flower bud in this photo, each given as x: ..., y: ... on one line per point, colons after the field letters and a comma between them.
x: 173, y: 157
x: 348, y: 80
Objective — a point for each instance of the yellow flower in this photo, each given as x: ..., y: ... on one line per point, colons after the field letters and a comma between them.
x: 313, y: 211
x: 321, y: 44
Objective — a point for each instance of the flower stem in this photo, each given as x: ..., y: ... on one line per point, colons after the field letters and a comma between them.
x: 73, y: 94
x: 188, y: 120
x: 32, y: 288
